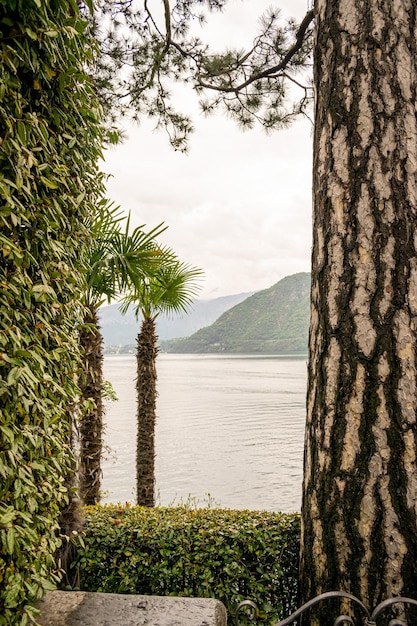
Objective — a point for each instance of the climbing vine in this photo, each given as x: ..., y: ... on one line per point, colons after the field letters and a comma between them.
x: 50, y: 141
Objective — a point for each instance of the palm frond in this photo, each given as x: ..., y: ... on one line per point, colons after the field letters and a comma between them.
x: 172, y: 289
x: 119, y: 260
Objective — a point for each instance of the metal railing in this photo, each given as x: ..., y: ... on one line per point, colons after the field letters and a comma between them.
x: 250, y: 610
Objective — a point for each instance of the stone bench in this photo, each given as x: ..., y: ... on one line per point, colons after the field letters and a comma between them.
x: 80, y: 608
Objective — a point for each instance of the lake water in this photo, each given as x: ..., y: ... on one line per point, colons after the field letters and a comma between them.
x: 230, y: 426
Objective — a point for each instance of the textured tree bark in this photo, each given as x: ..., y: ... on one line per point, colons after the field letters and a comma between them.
x: 147, y: 352
x: 71, y: 520
x: 359, y: 514
x: 91, y: 422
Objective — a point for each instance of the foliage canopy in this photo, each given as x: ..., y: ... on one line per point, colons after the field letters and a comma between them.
x: 144, y: 52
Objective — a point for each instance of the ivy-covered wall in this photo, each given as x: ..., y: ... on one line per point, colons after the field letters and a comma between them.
x: 50, y: 141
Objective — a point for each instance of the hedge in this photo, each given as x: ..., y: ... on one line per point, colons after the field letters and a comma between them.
x: 225, y: 554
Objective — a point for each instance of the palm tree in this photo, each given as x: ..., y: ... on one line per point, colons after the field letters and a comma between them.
x: 117, y: 261
x: 171, y: 290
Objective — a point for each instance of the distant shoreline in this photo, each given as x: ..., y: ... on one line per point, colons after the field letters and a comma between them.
x: 248, y: 355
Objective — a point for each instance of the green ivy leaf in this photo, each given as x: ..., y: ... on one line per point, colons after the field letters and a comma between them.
x: 10, y: 539
x: 31, y: 33
x: 7, y: 516
x: 49, y: 183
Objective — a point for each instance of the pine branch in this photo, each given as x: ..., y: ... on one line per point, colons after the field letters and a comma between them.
x: 270, y: 72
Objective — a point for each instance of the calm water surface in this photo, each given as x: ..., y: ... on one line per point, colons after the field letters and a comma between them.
x: 229, y: 426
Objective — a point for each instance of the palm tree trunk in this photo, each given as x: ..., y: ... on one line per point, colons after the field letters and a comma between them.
x: 91, y: 422
x: 146, y: 393
x: 359, y: 515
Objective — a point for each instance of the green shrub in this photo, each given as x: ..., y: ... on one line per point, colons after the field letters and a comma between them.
x: 225, y: 554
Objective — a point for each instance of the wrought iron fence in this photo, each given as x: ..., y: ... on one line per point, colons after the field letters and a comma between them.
x: 250, y: 610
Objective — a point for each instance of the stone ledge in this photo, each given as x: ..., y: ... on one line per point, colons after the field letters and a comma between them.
x: 80, y: 608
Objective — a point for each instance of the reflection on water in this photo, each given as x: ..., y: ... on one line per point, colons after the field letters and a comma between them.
x: 229, y: 426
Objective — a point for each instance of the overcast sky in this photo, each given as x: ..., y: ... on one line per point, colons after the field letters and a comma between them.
x: 238, y: 205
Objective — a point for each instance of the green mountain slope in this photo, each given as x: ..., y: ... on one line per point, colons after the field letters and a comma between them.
x: 272, y: 321
x: 121, y: 330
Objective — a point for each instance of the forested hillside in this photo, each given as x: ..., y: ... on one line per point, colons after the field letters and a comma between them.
x: 121, y: 330
x: 272, y: 321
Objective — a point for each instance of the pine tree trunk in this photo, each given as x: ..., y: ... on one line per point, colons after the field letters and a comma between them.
x: 359, y: 515
x: 91, y: 422
x: 147, y: 352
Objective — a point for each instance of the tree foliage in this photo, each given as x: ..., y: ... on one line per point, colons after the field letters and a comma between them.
x: 144, y: 52
x: 170, y: 289
x: 49, y: 182
x: 119, y: 258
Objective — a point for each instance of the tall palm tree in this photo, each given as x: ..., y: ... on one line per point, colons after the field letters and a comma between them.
x: 171, y: 290
x: 117, y: 261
